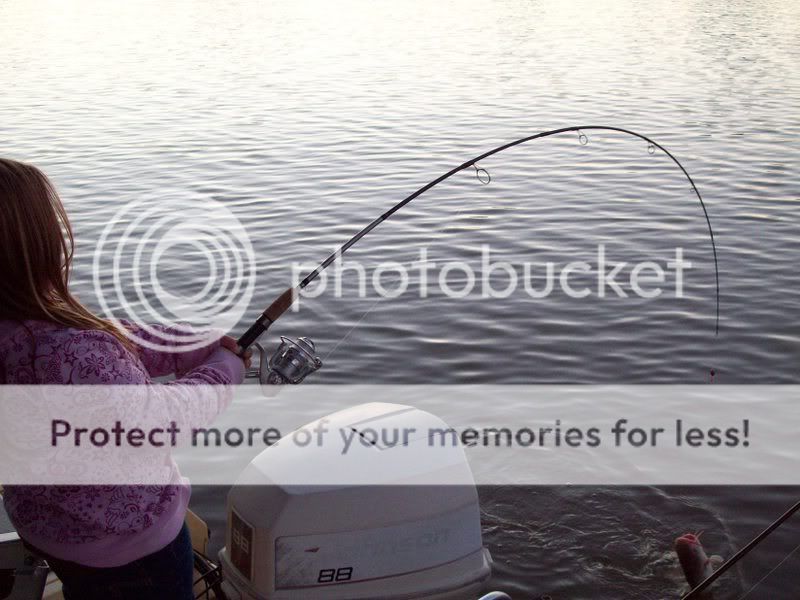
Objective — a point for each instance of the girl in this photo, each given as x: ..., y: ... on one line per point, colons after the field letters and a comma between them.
x: 104, y: 542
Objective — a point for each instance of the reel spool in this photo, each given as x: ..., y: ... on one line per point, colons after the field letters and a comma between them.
x: 290, y: 364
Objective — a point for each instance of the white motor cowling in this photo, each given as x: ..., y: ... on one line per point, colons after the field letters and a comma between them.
x: 403, y: 522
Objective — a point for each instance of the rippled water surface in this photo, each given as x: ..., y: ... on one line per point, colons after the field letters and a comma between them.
x: 308, y: 119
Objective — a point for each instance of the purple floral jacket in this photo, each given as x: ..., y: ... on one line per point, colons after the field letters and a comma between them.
x: 102, y: 526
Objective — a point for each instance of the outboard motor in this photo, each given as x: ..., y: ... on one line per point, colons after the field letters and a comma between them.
x: 403, y: 523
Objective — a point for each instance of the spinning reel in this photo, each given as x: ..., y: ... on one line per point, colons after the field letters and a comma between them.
x: 291, y: 362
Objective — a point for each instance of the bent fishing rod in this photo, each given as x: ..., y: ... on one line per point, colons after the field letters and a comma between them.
x: 696, y: 592
x: 282, y: 303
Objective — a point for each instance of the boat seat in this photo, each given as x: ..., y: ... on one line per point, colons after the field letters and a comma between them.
x: 22, y: 575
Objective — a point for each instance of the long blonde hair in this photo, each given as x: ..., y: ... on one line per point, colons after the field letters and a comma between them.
x: 36, y: 250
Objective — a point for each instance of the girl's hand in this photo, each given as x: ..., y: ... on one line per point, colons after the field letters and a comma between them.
x: 229, y: 343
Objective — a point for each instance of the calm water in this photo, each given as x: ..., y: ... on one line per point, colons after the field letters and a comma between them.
x: 308, y: 119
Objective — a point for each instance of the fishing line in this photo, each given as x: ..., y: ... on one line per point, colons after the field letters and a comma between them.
x: 288, y: 297
x: 771, y: 571
x: 695, y: 593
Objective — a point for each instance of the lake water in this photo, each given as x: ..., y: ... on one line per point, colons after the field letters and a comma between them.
x: 308, y: 119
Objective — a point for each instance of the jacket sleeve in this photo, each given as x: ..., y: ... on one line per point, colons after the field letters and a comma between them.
x: 163, y: 352
x: 204, y: 391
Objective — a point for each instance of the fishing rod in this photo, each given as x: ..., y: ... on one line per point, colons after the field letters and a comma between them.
x: 282, y: 303
x: 697, y: 591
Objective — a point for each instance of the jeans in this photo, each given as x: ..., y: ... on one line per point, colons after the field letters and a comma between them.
x: 163, y: 575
